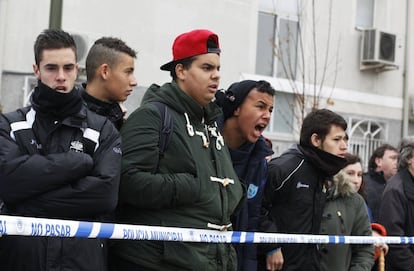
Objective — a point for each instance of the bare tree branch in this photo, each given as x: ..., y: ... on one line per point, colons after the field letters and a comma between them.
x: 328, y: 41
x: 301, y: 69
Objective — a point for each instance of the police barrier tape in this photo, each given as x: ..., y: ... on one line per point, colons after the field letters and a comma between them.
x: 31, y: 226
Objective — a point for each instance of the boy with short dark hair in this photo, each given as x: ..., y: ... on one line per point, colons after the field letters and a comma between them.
x: 57, y: 160
x: 295, y: 189
x: 247, y: 106
x: 110, y: 78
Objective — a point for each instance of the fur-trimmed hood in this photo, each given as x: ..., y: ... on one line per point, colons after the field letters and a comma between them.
x: 342, y: 186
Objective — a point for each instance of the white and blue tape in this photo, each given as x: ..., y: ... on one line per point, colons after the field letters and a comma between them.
x: 31, y: 226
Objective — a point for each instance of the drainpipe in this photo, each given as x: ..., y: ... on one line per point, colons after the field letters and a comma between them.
x: 55, y: 16
x: 3, y: 23
x: 407, y: 81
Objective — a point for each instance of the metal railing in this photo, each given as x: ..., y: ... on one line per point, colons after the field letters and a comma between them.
x: 364, y: 147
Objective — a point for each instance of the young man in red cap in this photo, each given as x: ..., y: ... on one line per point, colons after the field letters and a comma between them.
x: 247, y: 107
x: 193, y: 184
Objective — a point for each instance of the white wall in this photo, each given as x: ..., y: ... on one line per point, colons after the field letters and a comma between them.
x: 24, y: 20
x: 343, y: 55
x: 150, y: 26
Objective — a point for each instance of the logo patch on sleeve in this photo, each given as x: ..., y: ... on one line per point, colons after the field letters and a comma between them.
x: 252, y: 191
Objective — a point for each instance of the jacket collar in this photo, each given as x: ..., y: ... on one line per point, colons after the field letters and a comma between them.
x: 179, y: 101
x: 78, y: 120
x: 377, y: 176
x: 111, y: 110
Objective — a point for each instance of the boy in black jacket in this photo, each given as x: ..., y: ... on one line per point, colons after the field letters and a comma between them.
x: 57, y: 160
x: 295, y: 189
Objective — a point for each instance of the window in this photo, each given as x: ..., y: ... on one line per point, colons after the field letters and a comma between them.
x: 265, y: 44
x: 364, y: 137
x: 282, y: 120
x: 277, y: 40
x: 276, y: 56
x: 365, y: 13
x: 30, y: 82
x: 287, y: 49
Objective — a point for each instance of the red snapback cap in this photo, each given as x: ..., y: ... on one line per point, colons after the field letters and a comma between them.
x: 191, y: 44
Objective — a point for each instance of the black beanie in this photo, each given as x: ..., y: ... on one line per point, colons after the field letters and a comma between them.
x: 232, y: 98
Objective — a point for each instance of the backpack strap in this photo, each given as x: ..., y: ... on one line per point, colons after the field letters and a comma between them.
x: 166, y: 129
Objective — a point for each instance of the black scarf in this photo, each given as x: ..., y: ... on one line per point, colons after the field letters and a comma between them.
x: 111, y: 110
x: 328, y: 163
x: 48, y: 101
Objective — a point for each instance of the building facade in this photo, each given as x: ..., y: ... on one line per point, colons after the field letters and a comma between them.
x: 352, y: 57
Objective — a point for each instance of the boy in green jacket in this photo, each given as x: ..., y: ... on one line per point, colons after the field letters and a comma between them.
x: 193, y: 184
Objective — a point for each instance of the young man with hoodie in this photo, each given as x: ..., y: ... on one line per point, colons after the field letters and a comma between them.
x: 247, y: 107
x: 295, y: 189
x: 193, y: 184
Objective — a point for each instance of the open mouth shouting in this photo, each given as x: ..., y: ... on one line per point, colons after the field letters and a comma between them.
x: 259, y: 129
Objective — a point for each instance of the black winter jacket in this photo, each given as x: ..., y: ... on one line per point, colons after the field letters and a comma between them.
x: 65, y: 169
x: 294, y: 200
x: 374, y: 186
x: 397, y: 216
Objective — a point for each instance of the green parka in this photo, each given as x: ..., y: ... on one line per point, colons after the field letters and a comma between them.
x: 345, y: 213
x: 182, y: 193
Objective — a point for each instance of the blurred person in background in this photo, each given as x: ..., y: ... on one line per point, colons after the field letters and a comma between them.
x: 381, y: 166
x: 397, y: 210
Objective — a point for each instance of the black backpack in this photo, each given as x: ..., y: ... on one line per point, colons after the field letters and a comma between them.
x: 166, y: 130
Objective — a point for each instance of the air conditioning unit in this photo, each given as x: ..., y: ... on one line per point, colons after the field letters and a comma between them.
x: 378, y: 48
x: 83, y: 44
